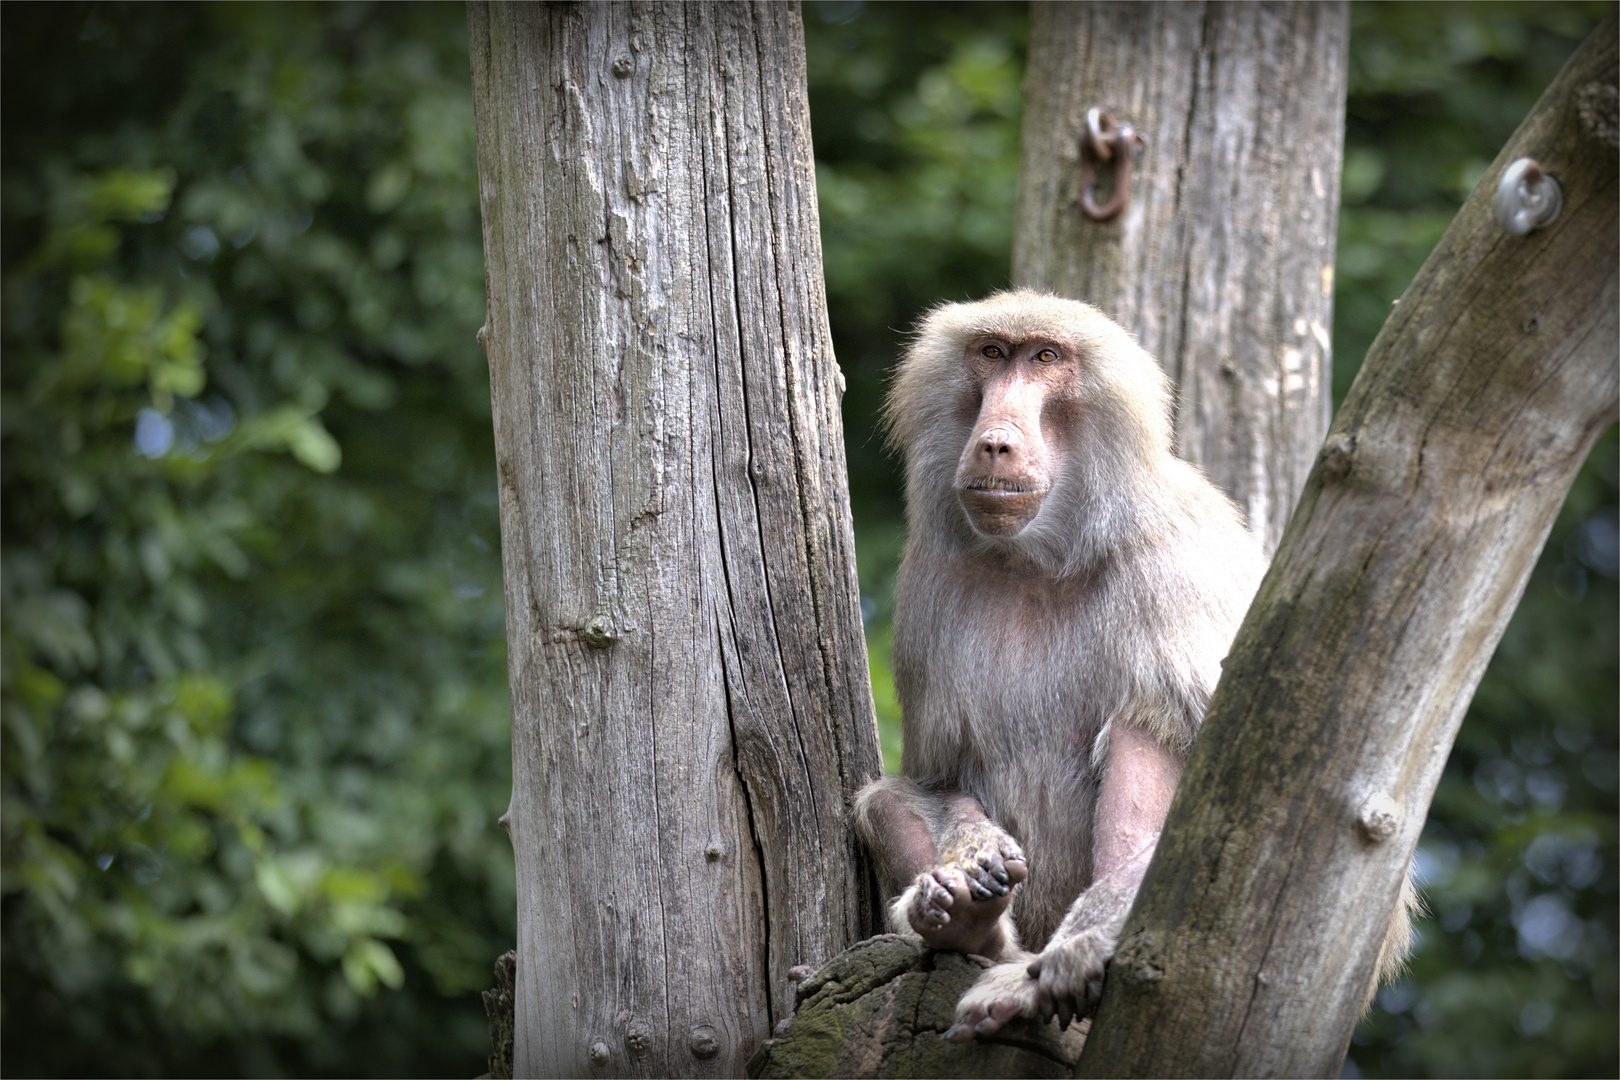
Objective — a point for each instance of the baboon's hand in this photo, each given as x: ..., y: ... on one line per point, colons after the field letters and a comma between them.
x: 1069, y: 974
x: 1002, y: 993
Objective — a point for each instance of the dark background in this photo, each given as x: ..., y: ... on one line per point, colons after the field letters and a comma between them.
x: 254, y: 725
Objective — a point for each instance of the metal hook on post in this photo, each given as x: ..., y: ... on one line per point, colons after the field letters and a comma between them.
x: 1106, y: 142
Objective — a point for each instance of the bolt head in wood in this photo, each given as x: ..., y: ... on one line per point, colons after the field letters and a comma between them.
x: 1527, y: 198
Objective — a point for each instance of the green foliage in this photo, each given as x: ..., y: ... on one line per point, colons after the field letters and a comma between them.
x: 254, y: 722
x: 1435, y: 92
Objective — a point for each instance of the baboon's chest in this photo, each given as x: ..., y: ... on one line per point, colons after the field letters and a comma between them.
x: 1014, y: 674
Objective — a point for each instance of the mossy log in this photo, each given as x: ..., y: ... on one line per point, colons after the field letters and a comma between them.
x: 878, y: 1008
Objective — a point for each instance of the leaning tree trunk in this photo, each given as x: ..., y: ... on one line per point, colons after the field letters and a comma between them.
x: 689, y: 684
x: 1259, y: 921
x: 1222, y: 262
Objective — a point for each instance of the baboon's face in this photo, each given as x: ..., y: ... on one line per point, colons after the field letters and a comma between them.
x: 1020, y: 397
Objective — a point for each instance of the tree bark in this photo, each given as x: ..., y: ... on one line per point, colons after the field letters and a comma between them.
x: 1222, y: 264
x: 690, y: 701
x: 1258, y: 924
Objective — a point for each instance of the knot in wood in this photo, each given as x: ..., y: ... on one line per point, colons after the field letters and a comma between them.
x: 638, y: 1037
x: 622, y: 67
x: 1598, y: 106
x: 1379, y: 817
x: 598, y: 634
x: 703, y: 1042
x: 1336, y: 455
x: 599, y: 1054
x: 1137, y: 960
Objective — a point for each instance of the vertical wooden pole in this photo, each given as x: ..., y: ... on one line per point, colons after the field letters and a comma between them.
x: 1222, y: 263
x: 689, y: 686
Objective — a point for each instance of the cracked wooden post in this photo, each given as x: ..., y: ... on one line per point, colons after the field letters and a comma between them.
x: 689, y: 686
x: 1222, y: 263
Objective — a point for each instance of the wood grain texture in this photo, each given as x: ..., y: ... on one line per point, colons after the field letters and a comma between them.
x: 690, y: 701
x: 1222, y: 264
x: 1258, y: 923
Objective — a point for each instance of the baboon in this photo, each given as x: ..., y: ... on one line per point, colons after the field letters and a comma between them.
x: 1067, y: 592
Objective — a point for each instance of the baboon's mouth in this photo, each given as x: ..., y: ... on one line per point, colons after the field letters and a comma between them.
x: 993, y: 485
x: 998, y: 507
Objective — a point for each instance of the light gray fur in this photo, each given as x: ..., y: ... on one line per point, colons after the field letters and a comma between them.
x: 1021, y: 649
x: 1013, y: 656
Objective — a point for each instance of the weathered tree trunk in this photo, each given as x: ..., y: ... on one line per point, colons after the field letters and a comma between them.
x: 1222, y: 263
x: 689, y: 684
x: 1258, y: 924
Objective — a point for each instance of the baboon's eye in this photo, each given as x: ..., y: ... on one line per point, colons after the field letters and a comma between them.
x: 994, y: 352
x: 1047, y: 356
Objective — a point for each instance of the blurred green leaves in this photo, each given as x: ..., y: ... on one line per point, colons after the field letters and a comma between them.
x: 252, y: 686
x: 253, y: 718
x: 1435, y: 89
